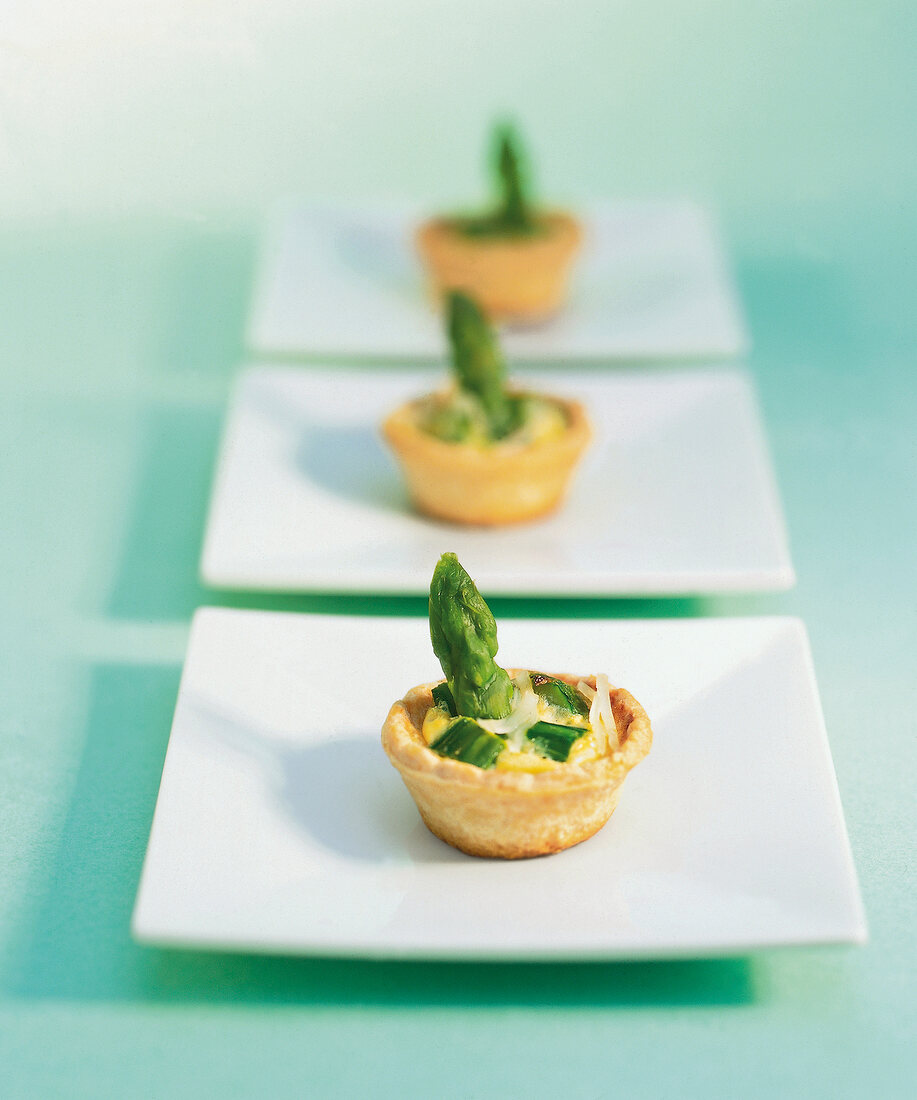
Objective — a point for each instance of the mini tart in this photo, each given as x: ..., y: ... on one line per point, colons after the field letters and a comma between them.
x: 511, y: 815
x: 521, y: 278
x: 505, y: 482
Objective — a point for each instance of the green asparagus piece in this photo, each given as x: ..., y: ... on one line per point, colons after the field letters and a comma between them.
x: 552, y: 740
x: 479, y: 365
x: 442, y: 697
x: 514, y: 212
x: 513, y: 215
x: 463, y: 739
x: 464, y: 636
x: 559, y: 694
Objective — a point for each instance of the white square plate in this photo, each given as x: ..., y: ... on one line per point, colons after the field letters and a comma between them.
x: 675, y: 496
x: 282, y: 827
x: 651, y: 283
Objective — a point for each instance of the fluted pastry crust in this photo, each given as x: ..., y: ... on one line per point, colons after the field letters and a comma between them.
x: 506, y: 482
x: 512, y: 815
x: 520, y: 278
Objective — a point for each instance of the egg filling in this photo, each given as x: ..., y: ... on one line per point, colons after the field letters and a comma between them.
x: 457, y: 416
x: 550, y: 724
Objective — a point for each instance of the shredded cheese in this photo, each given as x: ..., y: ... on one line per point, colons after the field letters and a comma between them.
x: 584, y: 689
x: 520, y: 719
x: 601, y: 716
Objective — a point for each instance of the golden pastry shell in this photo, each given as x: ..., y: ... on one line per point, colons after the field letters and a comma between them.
x: 513, y: 815
x: 513, y: 278
x: 507, y: 482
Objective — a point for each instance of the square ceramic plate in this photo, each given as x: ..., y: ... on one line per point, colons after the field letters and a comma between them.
x: 651, y: 282
x: 675, y: 496
x: 282, y: 827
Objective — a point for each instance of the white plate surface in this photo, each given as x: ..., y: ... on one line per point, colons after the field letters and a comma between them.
x: 651, y: 283
x: 676, y: 495
x: 281, y: 826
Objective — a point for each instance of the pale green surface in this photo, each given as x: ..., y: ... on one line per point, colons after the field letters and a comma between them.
x: 139, y: 171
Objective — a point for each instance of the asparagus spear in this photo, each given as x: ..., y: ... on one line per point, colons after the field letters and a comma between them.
x: 464, y: 636
x: 479, y: 365
x: 514, y: 214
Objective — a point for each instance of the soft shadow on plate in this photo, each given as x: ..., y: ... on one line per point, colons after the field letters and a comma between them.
x: 351, y: 462
x: 340, y: 791
x: 380, y: 254
x: 346, y: 796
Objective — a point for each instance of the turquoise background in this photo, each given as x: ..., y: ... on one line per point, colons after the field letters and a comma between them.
x: 140, y: 151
